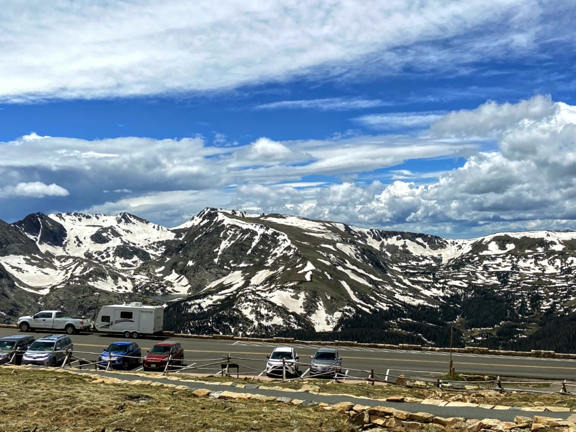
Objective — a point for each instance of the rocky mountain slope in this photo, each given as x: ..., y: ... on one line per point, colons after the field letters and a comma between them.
x: 280, y: 275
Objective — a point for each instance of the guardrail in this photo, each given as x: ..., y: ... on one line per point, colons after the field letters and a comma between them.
x: 288, y: 370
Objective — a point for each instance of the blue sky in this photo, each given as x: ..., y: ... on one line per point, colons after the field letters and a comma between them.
x: 446, y: 117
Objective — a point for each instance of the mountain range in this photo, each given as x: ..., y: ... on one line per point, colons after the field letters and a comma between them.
x: 232, y: 272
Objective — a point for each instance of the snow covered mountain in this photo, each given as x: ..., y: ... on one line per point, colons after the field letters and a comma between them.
x: 276, y: 275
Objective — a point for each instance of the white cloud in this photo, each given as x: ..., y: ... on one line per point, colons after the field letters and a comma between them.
x: 330, y: 104
x: 32, y: 190
x: 144, y: 47
x: 402, y: 120
x: 265, y: 150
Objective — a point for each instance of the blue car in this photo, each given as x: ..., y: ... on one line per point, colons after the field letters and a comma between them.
x: 121, y: 354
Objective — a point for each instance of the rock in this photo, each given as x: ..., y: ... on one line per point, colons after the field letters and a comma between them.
x: 505, y: 426
x: 413, y: 400
x: 460, y: 426
x: 359, y: 419
x: 360, y: 408
x: 421, y: 417
x: 402, y: 415
x: 533, y: 409
x: 227, y: 395
x: 486, y: 406
x: 262, y: 398
x: 522, y: 420
x: 501, y: 407
x: 393, y: 423
x: 381, y: 411
x: 201, y: 393
x: 474, y: 427
x: 310, y: 388
x: 557, y: 409
x: 182, y: 387
x: 395, y: 399
x: 379, y: 421
x: 214, y: 395
x: 401, y: 380
x: 461, y: 404
x: 343, y: 406
x: 537, y: 426
x: 323, y: 404
x: 309, y: 403
x: 409, y: 425
x: 447, y: 422
x: 545, y: 420
x: 489, y: 423
x: 431, y: 401
x: 297, y: 402
x: 284, y: 399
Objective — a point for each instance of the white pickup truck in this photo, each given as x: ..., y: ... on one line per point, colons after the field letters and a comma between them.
x: 53, y: 320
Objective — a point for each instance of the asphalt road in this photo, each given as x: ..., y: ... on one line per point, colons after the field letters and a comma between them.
x: 359, y: 361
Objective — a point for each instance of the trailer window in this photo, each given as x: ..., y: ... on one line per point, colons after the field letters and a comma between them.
x: 126, y: 315
x: 105, y: 318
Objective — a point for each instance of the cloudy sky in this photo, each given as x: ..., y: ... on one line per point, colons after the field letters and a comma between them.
x: 455, y: 117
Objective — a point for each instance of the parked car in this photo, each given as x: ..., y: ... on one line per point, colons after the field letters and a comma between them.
x: 48, y: 351
x: 326, y: 362
x: 11, y: 344
x: 158, y: 356
x: 53, y: 320
x: 280, y: 356
x: 121, y: 354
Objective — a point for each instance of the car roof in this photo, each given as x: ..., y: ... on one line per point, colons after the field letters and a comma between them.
x: 52, y: 337
x: 122, y: 343
x: 16, y: 337
x: 284, y: 349
x: 332, y: 350
x: 167, y: 343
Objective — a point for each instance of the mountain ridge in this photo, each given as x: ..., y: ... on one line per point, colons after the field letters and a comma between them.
x: 271, y: 274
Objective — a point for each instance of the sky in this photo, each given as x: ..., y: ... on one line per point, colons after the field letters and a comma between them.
x: 455, y: 118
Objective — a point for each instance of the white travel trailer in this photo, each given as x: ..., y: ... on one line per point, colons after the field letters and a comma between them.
x: 132, y: 319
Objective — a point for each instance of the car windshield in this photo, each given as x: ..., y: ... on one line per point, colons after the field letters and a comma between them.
x: 160, y: 349
x: 6, y: 345
x: 41, y: 346
x: 279, y: 355
x: 325, y: 356
x: 117, y: 348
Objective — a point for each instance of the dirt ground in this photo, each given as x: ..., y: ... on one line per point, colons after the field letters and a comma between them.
x: 38, y: 401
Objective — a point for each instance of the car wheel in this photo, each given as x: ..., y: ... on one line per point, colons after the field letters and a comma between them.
x: 125, y: 364
x: 52, y: 362
x: 127, y: 334
x: 24, y: 327
x: 135, y: 335
x: 70, y: 329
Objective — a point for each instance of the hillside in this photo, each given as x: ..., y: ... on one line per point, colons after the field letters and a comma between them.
x: 235, y: 273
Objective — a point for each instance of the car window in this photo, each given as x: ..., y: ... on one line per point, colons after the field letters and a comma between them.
x: 279, y: 355
x: 44, y: 315
x: 126, y: 315
x: 42, y: 346
x: 6, y: 345
x: 58, y: 315
x: 160, y: 349
x: 325, y: 356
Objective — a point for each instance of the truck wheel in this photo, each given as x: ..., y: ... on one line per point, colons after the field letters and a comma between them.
x: 52, y: 362
x: 24, y: 327
x: 135, y: 335
x: 70, y: 329
x: 127, y: 334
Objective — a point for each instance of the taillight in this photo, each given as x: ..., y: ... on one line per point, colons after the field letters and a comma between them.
x: 81, y: 322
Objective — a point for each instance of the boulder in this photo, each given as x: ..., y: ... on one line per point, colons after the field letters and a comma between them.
x: 447, y: 422
x: 402, y: 415
x: 393, y: 423
x: 343, y: 406
x: 381, y: 411
x: 421, y: 417
x: 201, y: 393
x: 409, y: 425
x: 522, y: 419
x: 395, y: 399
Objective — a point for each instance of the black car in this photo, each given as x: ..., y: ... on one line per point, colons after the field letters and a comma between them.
x: 11, y: 344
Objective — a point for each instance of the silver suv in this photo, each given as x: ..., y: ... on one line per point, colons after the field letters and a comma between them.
x: 326, y: 363
x: 48, y: 351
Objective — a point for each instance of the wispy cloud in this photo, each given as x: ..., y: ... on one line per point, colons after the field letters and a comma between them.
x: 141, y: 47
x: 401, y: 120
x: 329, y: 104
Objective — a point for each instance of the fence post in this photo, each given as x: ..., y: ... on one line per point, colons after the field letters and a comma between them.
x: 564, y: 390
x: 228, y: 365
x: 168, y: 364
x: 438, y: 382
x: 371, y: 376
x: 66, y: 361
x: 283, y: 370
x: 108, y: 365
x: 13, y: 358
x: 499, y: 384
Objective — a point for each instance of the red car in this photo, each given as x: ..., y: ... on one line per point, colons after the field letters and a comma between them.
x: 158, y: 356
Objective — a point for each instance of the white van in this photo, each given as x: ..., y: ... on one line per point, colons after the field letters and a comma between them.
x: 132, y: 319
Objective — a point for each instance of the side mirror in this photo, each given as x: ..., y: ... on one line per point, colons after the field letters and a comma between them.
x: 35, y: 316
x: 339, y: 358
x: 311, y: 357
x: 297, y: 358
x: 267, y: 357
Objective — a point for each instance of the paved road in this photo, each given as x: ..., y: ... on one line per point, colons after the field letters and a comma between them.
x: 394, y: 362
x: 466, y: 412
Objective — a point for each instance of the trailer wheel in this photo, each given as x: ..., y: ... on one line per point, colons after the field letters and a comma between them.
x: 70, y: 329
x: 135, y: 335
x: 127, y: 334
x: 24, y: 327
